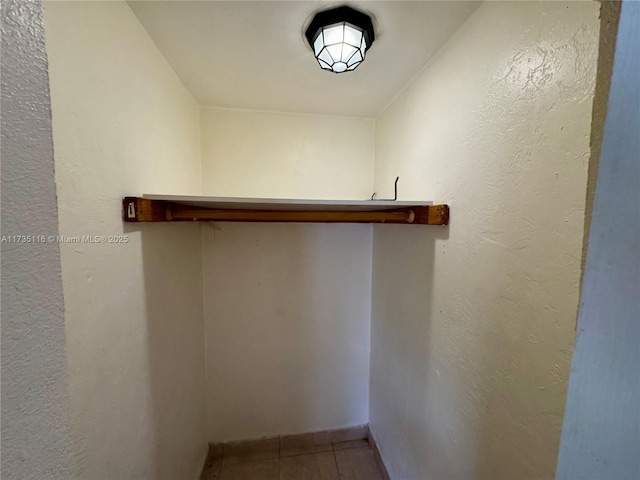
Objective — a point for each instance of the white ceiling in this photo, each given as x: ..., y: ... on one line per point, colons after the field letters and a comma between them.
x: 252, y: 54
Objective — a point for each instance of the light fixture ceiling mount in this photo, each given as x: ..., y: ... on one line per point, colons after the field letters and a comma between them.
x: 340, y: 38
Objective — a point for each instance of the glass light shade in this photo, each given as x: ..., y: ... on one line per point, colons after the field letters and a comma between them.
x: 340, y: 47
x: 340, y: 38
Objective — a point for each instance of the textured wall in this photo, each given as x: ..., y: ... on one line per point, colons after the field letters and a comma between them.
x: 287, y: 306
x: 473, y: 326
x: 264, y: 154
x: 36, y: 436
x: 123, y: 124
x: 287, y: 319
x: 601, y: 431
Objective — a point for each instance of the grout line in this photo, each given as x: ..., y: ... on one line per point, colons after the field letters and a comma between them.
x: 352, y: 448
x: 308, y: 453
x: 335, y: 460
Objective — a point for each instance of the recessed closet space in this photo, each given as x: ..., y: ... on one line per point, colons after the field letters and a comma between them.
x: 449, y: 342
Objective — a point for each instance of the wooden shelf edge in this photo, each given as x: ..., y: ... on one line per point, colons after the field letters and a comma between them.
x: 136, y: 209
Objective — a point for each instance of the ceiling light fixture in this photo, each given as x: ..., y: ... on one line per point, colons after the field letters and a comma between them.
x: 340, y: 37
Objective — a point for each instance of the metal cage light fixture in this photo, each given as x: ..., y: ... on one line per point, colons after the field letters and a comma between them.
x: 340, y: 38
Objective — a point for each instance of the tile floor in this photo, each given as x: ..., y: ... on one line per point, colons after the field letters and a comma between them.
x: 347, y: 460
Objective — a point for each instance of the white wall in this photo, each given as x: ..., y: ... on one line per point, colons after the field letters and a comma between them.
x: 287, y: 311
x: 36, y: 433
x: 287, y: 306
x: 473, y: 325
x: 123, y: 124
x: 265, y: 154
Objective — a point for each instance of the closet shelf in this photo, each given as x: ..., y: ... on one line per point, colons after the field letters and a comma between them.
x: 175, y: 208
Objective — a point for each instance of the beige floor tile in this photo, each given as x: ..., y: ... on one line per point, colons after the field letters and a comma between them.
x: 305, y: 439
x: 318, y: 466
x: 357, y: 464
x: 251, y: 451
x: 305, y: 449
x: 305, y: 443
x: 350, y: 444
x: 266, y: 470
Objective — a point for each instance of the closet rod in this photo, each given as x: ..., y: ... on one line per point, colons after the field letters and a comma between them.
x: 145, y: 210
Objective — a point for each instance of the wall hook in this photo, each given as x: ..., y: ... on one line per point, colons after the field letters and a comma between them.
x: 395, y: 193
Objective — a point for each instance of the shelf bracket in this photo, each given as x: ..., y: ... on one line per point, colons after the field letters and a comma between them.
x: 143, y: 210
